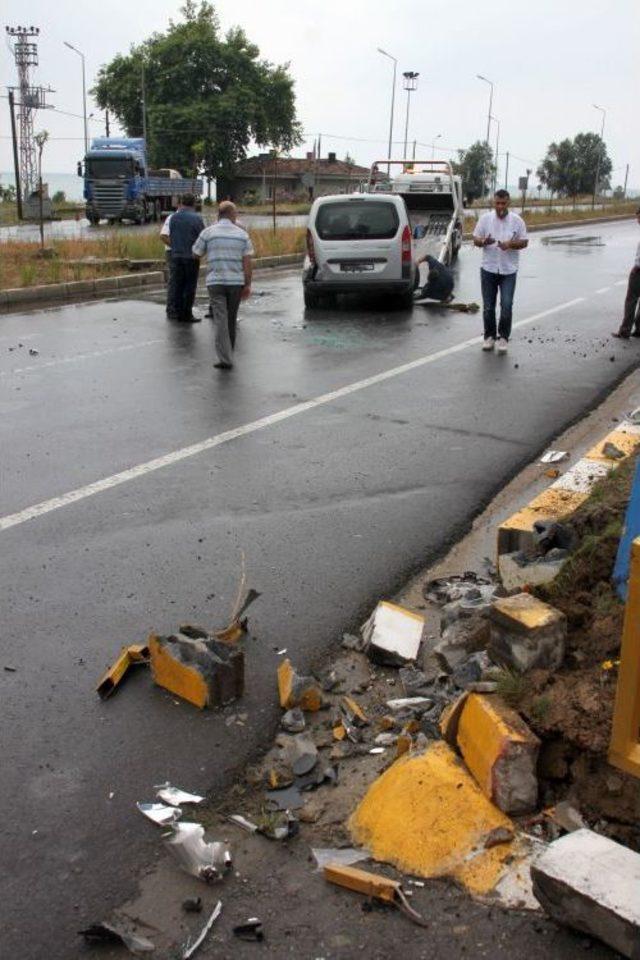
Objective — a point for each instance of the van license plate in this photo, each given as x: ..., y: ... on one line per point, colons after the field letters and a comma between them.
x: 355, y: 267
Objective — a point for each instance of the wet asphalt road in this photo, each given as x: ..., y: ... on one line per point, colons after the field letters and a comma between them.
x: 333, y: 506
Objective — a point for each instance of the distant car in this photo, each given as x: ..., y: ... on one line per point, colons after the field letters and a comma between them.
x: 359, y: 244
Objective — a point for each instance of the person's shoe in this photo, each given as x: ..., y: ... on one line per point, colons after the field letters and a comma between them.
x: 622, y: 336
x: 502, y: 345
x: 192, y: 319
x: 223, y: 366
x: 172, y: 316
x: 489, y: 343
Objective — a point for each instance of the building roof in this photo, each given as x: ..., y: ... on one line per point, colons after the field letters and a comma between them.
x: 295, y: 166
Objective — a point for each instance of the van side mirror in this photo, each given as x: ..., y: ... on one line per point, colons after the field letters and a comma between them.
x: 79, y: 168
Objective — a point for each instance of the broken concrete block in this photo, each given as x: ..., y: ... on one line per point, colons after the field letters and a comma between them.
x: 297, y: 691
x: 450, y: 719
x: 459, y: 640
x: 527, y: 633
x: 202, y: 670
x: 586, y: 881
x: 393, y: 634
x: 516, y: 571
x: 500, y: 751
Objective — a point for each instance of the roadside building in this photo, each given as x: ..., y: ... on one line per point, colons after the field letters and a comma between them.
x: 294, y: 178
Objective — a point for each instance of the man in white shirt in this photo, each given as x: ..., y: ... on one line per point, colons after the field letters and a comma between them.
x: 501, y: 234
x: 229, y: 251
x: 630, y: 325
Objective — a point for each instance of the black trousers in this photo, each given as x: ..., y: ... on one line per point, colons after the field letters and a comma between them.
x: 631, y: 312
x: 183, y: 281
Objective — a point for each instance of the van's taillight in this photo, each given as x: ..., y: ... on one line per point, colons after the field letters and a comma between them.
x: 406, y: 245
x: 310, y: 251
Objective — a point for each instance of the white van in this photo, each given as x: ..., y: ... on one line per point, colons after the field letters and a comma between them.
x: 359, y: 243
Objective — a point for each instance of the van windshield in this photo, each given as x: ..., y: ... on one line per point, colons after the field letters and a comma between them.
x: 357, y: 220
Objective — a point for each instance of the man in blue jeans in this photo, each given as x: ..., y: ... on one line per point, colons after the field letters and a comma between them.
x: 501, y: 234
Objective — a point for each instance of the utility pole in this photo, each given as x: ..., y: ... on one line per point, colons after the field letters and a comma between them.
x: 393, y: 102
x: 275, y: 185
x: 144, y: 109
x: 484, y: 163
x: 16, y: 166
x: 414, y: 149
x: 626, y: 178
x: 506, y: 172
x: 410, y: 85
x: 106, y: 123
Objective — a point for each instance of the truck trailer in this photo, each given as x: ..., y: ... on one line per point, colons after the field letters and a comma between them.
x: 118, y: 184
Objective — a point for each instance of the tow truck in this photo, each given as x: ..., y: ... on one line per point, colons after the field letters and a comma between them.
x: 432, y: 194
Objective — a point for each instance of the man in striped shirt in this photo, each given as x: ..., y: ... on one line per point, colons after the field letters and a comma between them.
x: 229, y: 251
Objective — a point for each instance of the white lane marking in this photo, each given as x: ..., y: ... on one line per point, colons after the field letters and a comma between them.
x: 79, y: 356
x: 133, y: 473
x: 603, y: 289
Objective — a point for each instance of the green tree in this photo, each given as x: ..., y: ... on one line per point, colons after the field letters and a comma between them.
x: 207, y: 96
x: 569, y: 167
x: 8, y: 193
x: 59, y: 197
x: 475, y: 165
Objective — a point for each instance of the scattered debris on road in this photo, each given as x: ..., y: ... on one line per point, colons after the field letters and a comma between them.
x: 393, y: 634
x: 100, y: 933
x: 159, y: 813
x: 197, y: 667
x: 137, y: 653
x: 190, y: 949
x: 554, y: 456
x: 372, y: 885
x: 251, y: 930
x: 206, y: 861
x: 175, y: 796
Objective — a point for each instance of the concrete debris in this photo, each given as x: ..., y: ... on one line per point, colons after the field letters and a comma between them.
x: 159, y: 813
x: 342, y: 856
x: 117, y: 933
x: 498, y: 836
x: 293, y: 721
x: 517, y: 570
x: 190, y: 949
x: 288, y: 798
x: 202, y: 670
x: 242, y: 822
x: 206, y: 861
x: 567, y: 817
x: 450, y: 719
x: 353, y: 712
x: 301, y: 754
x: 591, y: 883
x: 413, y: 681
x: 351, y: 642
x: 175, y: 796
x: 137, y: 653
x: 554, y: 456
x: 329, y: 681
x: 318, y: 777
x: 393, y: 634
x: 483, y: 686
x: 612, y: 452
x: 527, y: 634
x: 459, y: 640
x: 552, y: 535
x: 501, y: 753
x: 386, y: 739
x: 470, y: 670
x: 250, y: 930
x: 297, y: 691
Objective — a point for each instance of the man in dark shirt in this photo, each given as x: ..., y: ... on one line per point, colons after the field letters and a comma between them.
x: 184, y: 228
x: 439, y: 285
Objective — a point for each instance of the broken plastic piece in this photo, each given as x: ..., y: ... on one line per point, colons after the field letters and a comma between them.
x: 136, y: 653
x: 554, y: 456
x: 241, y: 821
x: 159, y: 813
x: 116, y: 933
x: 251, y: 929
x: 206, y: 861
x: 174, y: 795
x: 189, y: 950
x: 342, y: 856
x: 297, y: 691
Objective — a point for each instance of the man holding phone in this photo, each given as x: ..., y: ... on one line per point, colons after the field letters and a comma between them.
x: 501, y: 234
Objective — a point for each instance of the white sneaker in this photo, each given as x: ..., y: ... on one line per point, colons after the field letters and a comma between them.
x: 489, y: 343
x: 502, y: 345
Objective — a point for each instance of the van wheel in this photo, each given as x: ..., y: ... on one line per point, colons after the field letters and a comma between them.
x: 404, y: 301
x: 311, y: 299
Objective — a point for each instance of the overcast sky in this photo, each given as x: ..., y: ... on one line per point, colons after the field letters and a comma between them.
x: 549, y: 60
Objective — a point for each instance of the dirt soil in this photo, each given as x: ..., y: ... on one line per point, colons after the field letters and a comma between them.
x: 571, y: 709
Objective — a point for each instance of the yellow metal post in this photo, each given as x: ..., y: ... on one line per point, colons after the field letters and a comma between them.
x: 624, y: 749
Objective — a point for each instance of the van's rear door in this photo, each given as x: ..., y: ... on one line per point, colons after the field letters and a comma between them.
x: 359, y: 238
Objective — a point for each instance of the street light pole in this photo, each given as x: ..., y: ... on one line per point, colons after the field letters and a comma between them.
x: 495, y: 172
x: 410, y: 85
x: 600, y: 152
x: 393, y: 102
x: 433, y: 145
x: 84, y: 93
x: 484, y: 163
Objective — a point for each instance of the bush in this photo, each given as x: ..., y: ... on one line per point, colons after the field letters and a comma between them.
x: 59, y: 197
